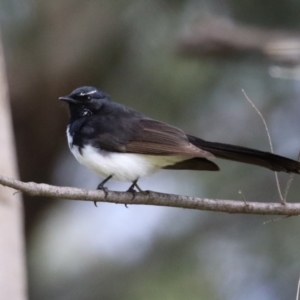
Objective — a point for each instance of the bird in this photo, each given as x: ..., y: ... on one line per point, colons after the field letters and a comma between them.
x: 115, y: 141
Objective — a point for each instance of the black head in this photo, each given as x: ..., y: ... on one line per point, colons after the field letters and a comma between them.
x: 85, y: 101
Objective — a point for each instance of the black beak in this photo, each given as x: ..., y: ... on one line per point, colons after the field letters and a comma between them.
x: 68, y: 99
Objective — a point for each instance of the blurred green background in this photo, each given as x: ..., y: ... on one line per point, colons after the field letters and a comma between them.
x: 134, y: 51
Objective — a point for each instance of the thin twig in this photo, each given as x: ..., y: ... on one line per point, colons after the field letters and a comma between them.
x: 287, y: 187
x: 153, y: 198
x: 282, y: 199
x: 298, y: 288
x: 244, y: 198
x: 275, y: 220
x: 289, y: 182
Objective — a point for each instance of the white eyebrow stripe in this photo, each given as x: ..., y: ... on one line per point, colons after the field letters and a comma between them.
x: 89, y: 93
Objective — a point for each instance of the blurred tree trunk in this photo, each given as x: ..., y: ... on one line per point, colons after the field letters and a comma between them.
x: 12, y: 258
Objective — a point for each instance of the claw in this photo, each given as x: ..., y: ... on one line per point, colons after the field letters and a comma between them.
x: 132, y: 191
x: 104, y: 189
x: 134, y: 184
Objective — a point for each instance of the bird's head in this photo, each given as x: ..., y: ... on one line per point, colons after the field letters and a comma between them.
x: 85, y: 101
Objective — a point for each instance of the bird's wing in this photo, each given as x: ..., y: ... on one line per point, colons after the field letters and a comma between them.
x: 143, y: 136
x: 158, y: 138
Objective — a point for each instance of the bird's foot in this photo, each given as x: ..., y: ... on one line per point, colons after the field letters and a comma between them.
x: 132, y: 190
x: 103, y: 188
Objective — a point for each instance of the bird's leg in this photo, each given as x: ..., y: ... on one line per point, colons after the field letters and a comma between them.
x: 101, y: 184
x: 134, y: 184
x: 132, y: 190
x: 139, y: 189
x: 102, y: 187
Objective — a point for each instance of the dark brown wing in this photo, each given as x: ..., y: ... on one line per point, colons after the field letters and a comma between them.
x: 158, y: 138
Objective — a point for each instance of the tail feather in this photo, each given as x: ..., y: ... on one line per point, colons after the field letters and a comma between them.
x: 249, y: 156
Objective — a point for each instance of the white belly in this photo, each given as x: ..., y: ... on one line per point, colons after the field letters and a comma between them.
x: 123, y: 166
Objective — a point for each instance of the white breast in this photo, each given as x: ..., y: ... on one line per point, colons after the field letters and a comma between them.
x: 123, y: 166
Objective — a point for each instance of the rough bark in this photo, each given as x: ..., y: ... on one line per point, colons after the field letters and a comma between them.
x: 153, y: 198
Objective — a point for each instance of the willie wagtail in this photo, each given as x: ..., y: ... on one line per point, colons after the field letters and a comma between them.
x: 117, y: 142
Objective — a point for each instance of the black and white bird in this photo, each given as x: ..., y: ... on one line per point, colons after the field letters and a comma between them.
x: 117, y: 142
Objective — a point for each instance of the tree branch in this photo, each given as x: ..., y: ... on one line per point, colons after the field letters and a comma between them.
x: 153, y: 198
x: 222, y: 38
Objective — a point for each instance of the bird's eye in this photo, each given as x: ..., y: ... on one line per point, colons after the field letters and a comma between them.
x: 82, y: 97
